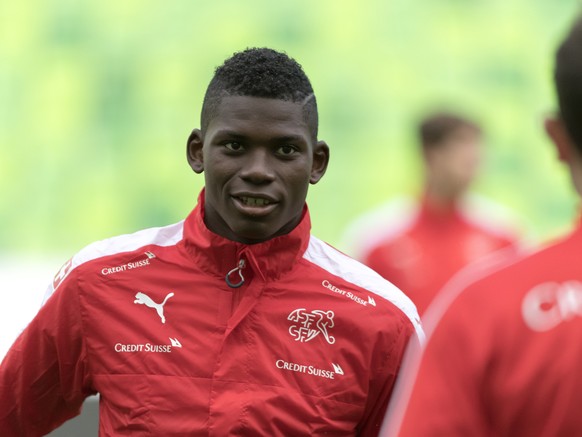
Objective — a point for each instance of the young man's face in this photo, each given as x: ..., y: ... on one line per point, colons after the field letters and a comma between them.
x: 258, y: 158
x: 454, y: 164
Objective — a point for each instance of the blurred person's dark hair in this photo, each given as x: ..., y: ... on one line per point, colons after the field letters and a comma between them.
x: 568, y: 78
x: 261, y: 72
x: 437, y: 127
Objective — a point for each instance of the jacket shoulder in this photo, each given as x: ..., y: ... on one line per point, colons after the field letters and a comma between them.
x: 497, y: 284
x: 379, y: 226
x: 127, y: 243
x: 348, y: 269
x: 159, y: 236
x: 490, y: 218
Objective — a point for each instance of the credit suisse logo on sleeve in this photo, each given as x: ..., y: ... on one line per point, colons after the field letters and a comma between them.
x: 369, y: 302
x: 106, y: 271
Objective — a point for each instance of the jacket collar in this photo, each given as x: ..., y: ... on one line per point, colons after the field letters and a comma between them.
x: 217, y: 255
x: 440, y: 213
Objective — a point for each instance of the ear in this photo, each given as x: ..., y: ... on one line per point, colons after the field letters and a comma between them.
x: 320, y: 161
x: 194, y: 151
x: 556, y: 130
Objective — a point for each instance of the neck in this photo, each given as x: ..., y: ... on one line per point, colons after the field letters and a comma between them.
x: 439, y: 198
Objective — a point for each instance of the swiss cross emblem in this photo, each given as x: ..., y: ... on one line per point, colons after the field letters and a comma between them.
x: 62, y: 273
x: 308, y: 325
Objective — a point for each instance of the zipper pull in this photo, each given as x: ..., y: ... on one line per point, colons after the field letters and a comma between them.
x: 238, y: 268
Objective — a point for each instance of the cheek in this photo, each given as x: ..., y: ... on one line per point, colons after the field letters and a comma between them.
x: 297, y: 188
x: 217, y: 170
x: 461, y: 159
x: 298, y: 176
x: 468, y: 153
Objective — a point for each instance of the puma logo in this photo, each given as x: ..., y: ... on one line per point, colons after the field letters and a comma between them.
x: 144, y: 299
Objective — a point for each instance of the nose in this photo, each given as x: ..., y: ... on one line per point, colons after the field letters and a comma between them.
x: 258, y: 167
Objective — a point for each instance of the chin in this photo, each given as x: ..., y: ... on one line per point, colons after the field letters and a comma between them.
x: 253, y: 235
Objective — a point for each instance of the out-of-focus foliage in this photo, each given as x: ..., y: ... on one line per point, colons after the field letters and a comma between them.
x: 97, y: 99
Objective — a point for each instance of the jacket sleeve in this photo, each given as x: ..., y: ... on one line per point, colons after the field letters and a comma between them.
x: 44, y: 377
x: 382, y: 381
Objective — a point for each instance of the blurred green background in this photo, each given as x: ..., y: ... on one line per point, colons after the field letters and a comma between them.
x: 97, y: 99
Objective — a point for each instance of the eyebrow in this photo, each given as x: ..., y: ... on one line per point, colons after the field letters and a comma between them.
x: 238, y: 136
x: 289, y: 139
x: 231, y: 134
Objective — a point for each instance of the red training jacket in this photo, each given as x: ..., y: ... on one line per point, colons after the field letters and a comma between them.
x: 421, y: 247
x: 309, y: 344
x: 505, y: 357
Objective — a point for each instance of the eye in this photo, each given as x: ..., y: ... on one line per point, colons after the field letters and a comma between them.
x: 234, y: 146
x: 286, y: 150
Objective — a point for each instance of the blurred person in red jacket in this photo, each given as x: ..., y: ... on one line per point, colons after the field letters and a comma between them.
x: 503, y: 350
x: 420, y: 245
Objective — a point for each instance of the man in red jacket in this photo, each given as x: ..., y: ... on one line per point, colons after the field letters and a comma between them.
x: 503, y: 353
x: 235, y: 321
x: 420, y: 245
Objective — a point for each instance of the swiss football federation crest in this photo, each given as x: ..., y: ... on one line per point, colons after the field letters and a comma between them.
x: 309, y: 325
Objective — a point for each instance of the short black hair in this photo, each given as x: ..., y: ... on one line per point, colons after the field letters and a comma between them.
x: 436, y: 127
x: 260, y: 72
x: 568, y: 80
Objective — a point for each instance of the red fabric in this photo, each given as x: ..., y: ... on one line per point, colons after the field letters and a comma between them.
x: 240, y: 367
x: 436, y: 245
x: 504, y: 360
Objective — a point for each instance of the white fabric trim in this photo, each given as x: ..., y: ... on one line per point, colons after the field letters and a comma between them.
x: 160, y: 236
x: 379, y: 225
x: 341, y: 265
x: 492, y: 217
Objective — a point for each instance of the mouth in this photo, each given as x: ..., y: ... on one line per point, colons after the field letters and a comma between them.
x: 254, y: 201
x: 254, y: 205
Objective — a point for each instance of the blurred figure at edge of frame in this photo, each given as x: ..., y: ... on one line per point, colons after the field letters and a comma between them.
x: 420, y: 245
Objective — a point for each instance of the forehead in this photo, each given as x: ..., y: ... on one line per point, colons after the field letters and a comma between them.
x: 461, y: 138
x: 464, y: 133
x: 244, y: 112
